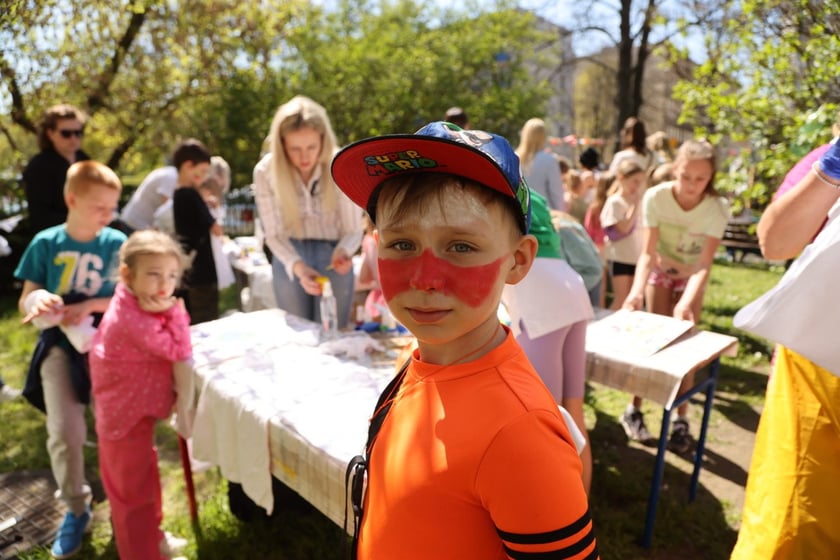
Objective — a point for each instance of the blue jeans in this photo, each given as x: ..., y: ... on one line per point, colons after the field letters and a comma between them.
x: 290, y: 295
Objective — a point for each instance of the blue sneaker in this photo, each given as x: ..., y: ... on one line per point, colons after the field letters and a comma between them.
x: 69, y: 539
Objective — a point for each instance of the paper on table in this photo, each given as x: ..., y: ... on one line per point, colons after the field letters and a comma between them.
x: 633, y: 334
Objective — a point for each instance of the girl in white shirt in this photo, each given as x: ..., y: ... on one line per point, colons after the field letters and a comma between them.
x: 620, y: 220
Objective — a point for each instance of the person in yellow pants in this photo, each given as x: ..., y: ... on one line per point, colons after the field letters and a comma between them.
x: 792, y: 495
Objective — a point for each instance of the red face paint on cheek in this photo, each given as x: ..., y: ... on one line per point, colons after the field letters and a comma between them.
x: 470, y: 284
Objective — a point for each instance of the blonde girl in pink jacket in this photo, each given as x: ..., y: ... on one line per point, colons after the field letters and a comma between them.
x: 143, y: 332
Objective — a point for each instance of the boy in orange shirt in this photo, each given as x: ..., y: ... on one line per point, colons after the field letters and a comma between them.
x: 473, y: 459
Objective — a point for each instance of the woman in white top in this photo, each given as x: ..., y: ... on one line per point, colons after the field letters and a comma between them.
x: 633, y: 146
x: 540, y: 168
x: 310, y: 226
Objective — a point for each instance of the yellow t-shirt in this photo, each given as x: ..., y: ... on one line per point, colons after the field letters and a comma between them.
x: 683, y: 233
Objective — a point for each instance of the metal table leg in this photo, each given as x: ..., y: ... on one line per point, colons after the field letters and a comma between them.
x: 708, y: 385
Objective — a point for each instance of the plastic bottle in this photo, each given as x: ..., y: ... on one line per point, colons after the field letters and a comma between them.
x: 329, y: 311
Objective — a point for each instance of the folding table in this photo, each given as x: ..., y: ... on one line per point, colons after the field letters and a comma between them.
x: 657, y: 377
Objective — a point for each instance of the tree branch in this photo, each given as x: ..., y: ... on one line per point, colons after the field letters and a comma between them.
x: 96, y: 99
x: 9, y: 138
x: 18, y: 112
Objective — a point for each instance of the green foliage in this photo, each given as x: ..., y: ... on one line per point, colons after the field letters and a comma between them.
x: 769, y: 82
x: 393, y: 66
x: 152, y: 72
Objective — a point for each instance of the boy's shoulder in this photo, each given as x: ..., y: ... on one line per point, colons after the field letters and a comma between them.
x: 57, y: 235
x: 49, y: 235
x: 517, y: 375
x: 110, y: 235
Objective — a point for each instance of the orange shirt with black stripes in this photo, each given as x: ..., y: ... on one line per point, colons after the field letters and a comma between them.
x: 474, y: 461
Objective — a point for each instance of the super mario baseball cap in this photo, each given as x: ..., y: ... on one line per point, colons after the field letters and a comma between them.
x: 438, y: 147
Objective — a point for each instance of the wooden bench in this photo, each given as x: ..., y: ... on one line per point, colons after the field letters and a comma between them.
x: 739, y: 239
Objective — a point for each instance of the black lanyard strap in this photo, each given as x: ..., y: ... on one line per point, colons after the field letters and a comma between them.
x: 356, y: 474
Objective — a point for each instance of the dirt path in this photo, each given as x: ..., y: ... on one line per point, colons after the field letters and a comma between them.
x: 706, y: 528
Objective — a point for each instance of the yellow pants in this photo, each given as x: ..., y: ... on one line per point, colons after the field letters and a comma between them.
x: 792, y: 501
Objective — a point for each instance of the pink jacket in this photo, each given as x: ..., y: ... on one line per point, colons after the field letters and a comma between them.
x: 131, y: 363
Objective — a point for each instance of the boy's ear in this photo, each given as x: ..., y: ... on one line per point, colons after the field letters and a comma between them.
x: 70, y: 199
x: 524, y: 254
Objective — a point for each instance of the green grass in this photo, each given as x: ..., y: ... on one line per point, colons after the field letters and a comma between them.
x: 705, y: 529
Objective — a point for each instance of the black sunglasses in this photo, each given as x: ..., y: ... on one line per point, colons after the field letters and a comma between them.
x: 70, y: 133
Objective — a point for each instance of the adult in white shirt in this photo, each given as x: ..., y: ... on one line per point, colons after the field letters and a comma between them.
x: 157, y: 187
x: 310, y: 226
x: 540, y: 169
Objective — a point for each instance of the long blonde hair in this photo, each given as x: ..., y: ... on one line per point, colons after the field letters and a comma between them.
x: 531, y: 140
x: 300, y: 112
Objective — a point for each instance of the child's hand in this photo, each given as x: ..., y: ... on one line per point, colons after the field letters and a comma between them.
x: 156, y: 304
x: 683, y: 311
x: 633, y: 302
x: 45, y: 304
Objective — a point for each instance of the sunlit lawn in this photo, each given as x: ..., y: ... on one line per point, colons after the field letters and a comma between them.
x: 705, y: 529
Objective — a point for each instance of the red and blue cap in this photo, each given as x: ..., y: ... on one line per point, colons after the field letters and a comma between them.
x: 438, y: 147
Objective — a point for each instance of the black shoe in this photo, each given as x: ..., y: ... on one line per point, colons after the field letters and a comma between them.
x: 680, y: 440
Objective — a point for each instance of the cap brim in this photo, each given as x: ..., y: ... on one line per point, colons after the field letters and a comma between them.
x: 359, y: 168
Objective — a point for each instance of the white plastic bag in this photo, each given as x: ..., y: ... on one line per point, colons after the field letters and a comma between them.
x: 802, y: 311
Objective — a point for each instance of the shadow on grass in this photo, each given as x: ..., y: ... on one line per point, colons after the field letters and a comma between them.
x: 296, y: 530
x: 741, y: 382
x: 622, y: 476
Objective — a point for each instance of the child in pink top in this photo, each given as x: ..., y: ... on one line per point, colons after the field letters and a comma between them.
x: 144, y: 331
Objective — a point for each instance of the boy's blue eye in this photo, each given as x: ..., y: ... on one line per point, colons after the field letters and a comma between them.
x: 402, y: 245
x: 462, y: 247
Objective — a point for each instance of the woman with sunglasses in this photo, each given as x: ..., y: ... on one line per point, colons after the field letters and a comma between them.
x: 60, y: 139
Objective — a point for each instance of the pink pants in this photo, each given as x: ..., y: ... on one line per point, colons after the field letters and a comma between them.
x: 129, y: 468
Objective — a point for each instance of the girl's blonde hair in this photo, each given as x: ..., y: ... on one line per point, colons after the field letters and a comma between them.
x: 298, y: 113
x: 531, y: 140
x: 150, y: 242
x: 699, y: 149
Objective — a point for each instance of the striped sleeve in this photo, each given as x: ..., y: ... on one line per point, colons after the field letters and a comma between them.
x: 530, y: 482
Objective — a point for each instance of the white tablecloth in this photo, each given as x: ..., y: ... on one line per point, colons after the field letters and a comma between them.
x: 271, y: 401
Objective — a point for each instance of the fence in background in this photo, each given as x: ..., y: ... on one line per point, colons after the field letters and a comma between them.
x: 240, y: 211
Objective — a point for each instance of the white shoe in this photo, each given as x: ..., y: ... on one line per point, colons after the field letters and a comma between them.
x: 171, y: 545
x: 8, y: 394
